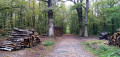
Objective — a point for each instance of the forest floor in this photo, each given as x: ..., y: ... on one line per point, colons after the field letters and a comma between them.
x: 66, y: 46
x: 69, y: 46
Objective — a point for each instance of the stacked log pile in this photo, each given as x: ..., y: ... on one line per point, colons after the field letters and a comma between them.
x: 19, y: 39
x: 115, y: 39
x: 58, y: 31
x: 103, y: 35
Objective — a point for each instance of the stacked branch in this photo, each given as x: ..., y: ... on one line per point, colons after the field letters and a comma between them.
x: 58, y: 31
x: 19, y: 39
x: 115, y: 39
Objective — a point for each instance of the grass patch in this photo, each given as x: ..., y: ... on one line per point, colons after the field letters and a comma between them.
x: 48, y: 43
x: 102, y: 50
x: 48, y: 46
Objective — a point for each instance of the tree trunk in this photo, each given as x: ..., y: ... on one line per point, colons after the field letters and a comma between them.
x: 11, y: 21
x: 20, y: 17
x: 86, y: 18
x: 33, y: 14
x: 11, y: 15
x: 79, y: 11
x: 50, y: 17
x: 112, y: 26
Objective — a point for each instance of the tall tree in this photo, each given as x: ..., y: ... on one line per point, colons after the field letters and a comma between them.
x: 86, y: 18
x: 33, y: 14
x: 78, y: 4
x: 50, y: 16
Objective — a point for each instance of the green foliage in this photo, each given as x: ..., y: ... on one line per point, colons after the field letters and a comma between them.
x: 78, y: 5
x: 103, y: 14
x: 87, y: 44
x: 102, y: 50
x: 48, y: 43
x: 115, y: 54
x: 22, y: 13
x: 107, y: 13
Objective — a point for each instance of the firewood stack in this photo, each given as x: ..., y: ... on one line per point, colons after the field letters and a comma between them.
x: 58, y: 31
x: 115, y: 39
x: 104, y: 35
x: 19, y: 39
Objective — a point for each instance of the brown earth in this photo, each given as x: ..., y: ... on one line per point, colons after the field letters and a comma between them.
x: 69, y: 46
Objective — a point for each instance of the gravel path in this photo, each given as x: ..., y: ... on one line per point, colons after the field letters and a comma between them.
x: 69, y: 46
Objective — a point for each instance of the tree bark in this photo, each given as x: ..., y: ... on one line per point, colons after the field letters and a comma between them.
x: 113, y: 26
x: 33, y: 14
x: 86, y: 19
x: 79, y: 11
x: 20, y: 17
x: 50, y: 16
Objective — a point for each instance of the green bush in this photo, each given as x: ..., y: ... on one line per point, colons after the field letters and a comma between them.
x: 48, y: 43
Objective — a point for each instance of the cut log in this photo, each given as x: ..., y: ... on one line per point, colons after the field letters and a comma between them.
x: 19, y: 39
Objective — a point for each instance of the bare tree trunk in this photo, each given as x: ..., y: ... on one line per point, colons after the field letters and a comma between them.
x: 20, y: 17
x: 33, y: 14
x: 50, y: 16
x: 113, y: 26
x: 86, y: 18
x: 79, y: 11
x: 11, y: 15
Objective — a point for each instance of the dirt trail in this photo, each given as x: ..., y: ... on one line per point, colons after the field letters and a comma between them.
x: 69, y: 46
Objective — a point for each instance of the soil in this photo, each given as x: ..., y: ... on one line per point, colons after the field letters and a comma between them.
x: 69, y: 46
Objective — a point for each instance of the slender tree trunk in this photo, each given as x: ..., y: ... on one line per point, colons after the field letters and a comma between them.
x: 20, y: 17
x: 112, y: 26
x: 50, y: 16
x: 5, y: 15
x: 45, y: 22
x: 2, y: 23
x: 29, y: 18
x: 15, y: 20
x: 11, y: 21
x: 86, y: 18
x: 33, y: 14
x: 11, y: 15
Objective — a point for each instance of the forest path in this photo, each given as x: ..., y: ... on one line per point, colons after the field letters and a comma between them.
x: 69, y: 46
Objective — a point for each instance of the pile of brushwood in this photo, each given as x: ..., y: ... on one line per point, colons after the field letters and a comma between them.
x: 104, y: 35
x: 20, y: 39
x: 112, y: 40
x: 115, y: 39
